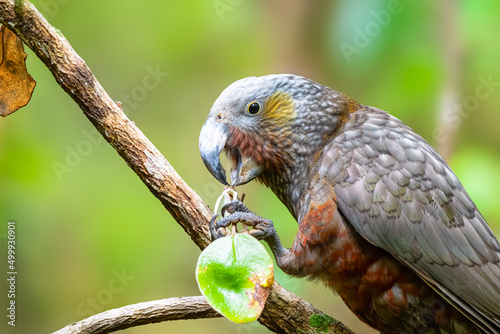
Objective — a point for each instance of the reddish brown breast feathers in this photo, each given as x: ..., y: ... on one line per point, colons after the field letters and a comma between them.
x: 376, y: 287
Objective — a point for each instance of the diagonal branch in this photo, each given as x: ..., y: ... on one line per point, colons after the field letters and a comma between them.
x: 284, y: 312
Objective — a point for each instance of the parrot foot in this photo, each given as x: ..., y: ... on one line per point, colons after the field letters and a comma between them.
x: 262, y: 229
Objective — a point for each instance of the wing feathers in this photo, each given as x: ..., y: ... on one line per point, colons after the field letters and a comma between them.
x: 400, y: 195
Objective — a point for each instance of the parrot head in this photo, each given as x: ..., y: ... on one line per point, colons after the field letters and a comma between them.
x: 266, y: 125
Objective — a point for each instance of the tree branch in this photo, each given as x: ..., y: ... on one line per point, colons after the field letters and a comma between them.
x: 284, y: 312
x: 183, y: 308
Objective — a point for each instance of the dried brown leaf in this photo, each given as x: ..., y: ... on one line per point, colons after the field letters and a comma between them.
x: 16, y: 84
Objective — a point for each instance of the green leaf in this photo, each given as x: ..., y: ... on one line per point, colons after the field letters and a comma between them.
x: 235, y: 274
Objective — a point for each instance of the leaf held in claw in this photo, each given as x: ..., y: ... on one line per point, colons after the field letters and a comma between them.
x: 16, y: 85
x: 235, y: 274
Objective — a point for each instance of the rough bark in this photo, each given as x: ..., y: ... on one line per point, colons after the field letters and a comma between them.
x: 284, y: 312
x: 183, y: 308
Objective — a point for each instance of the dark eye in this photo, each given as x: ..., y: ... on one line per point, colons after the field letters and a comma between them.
x: 253, y: 108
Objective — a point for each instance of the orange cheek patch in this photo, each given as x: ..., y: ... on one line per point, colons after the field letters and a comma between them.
x: 279, y: 110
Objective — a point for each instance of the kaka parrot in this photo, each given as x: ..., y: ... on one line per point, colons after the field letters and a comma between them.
x: 382, y: 219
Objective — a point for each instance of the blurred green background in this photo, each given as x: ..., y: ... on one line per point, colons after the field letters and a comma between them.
x: 90, y: 236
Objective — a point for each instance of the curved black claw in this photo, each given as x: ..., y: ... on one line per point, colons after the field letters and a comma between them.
x: 216, y: 233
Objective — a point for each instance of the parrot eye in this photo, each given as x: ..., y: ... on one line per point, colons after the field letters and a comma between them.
x: 253, y: 108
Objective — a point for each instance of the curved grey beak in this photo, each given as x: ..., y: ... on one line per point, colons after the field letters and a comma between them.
x: 213, y: 137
